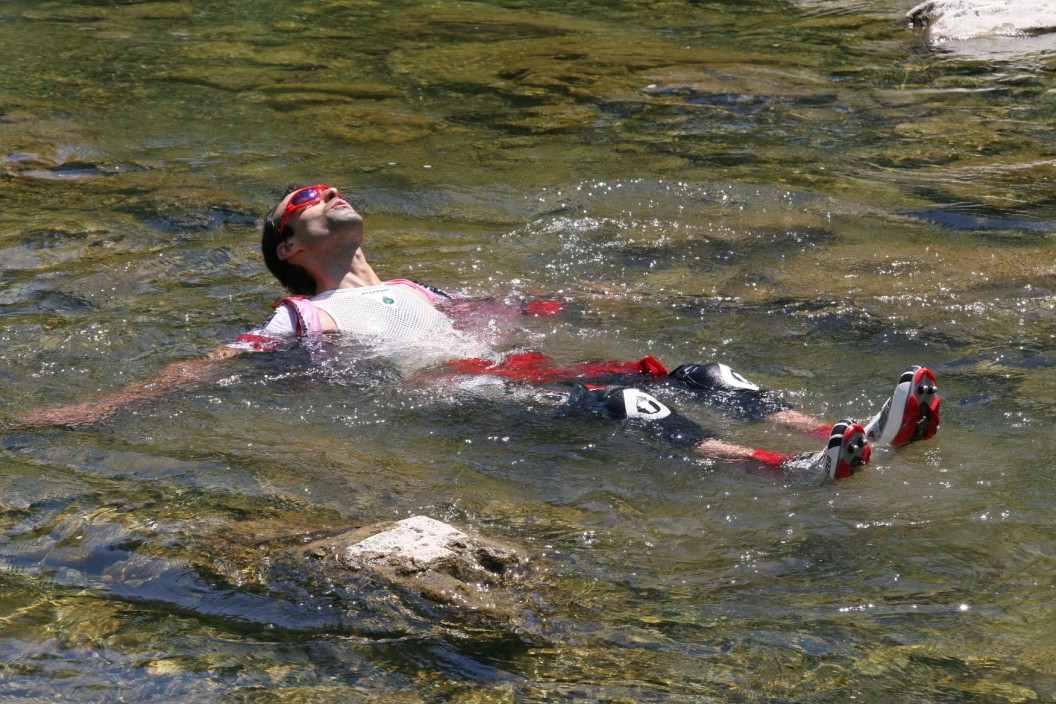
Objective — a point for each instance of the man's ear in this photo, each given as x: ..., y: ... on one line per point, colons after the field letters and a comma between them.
x: 287, y: 249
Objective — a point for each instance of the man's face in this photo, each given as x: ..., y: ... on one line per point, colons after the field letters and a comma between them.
x: 319, y: 212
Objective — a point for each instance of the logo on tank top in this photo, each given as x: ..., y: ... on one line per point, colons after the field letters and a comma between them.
x: 385, y: 296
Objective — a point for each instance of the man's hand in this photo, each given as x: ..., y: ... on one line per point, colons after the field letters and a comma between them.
x: 75, y: 416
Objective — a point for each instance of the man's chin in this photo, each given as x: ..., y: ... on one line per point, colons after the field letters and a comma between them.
x: 345, y: 216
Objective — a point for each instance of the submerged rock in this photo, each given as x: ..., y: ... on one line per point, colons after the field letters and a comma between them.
x: 410, y: 577
x: 405, y: 577
x: 968, y: 19
x: 426, y: 557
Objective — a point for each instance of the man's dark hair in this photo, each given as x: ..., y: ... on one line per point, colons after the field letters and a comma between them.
x: 295, y: 279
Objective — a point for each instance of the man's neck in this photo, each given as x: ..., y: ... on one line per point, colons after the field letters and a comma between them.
x: 352, y: 273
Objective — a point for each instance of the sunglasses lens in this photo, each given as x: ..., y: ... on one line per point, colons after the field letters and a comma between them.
x: 303, y: 197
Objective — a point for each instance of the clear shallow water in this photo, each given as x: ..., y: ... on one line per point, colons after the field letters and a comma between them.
x: 804, y: 190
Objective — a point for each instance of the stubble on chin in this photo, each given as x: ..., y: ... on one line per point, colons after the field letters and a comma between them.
x: 345, y: 217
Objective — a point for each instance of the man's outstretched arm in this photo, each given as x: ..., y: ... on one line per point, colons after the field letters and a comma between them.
x: 178, y: 375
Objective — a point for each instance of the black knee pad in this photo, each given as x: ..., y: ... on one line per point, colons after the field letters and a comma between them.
x: 727, y: 390
x: 629, y: 402
x: 712, y: 376
x: 643, y: 413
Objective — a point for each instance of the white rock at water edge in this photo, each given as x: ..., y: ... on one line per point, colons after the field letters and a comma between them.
x: 970, y: 19
x: 420, y: 538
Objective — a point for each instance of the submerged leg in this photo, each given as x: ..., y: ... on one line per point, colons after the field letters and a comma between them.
x: 741, y: 398
x: 797, y: 420
x: 845, y: 451
x: 910, y: 414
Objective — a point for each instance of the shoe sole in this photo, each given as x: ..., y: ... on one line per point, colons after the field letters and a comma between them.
x: 848, y: 449
x: 917, y: 395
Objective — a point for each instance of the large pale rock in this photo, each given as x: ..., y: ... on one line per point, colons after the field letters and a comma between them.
x: 412, y: 544
x: 969, y: 19
x: 426, y: 557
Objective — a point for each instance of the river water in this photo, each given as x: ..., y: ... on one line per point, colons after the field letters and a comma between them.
x: 805, y: 190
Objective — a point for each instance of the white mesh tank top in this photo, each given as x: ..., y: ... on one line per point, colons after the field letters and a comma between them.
x: 383, y: 313
x: 394, y: 322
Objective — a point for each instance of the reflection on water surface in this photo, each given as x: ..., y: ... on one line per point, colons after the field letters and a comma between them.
x: 803, y: 190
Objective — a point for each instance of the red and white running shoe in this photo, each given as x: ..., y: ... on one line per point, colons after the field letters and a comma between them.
x: 912, y: 412
x: 846, y: 451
